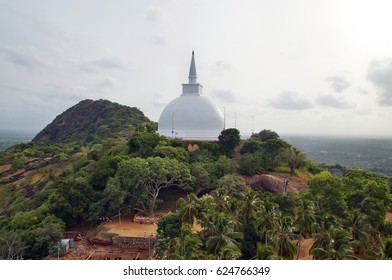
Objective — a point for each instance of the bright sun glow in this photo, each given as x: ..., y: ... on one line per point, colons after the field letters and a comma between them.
x: 369, y: 21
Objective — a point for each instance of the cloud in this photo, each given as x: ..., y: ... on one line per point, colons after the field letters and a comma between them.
x: 106, y: 83
x: 92, y: 90
x: 158, y: 40
x: 157, y: 94
x: 42, y: 24
x: 221, y: 67
x: 26, y: 56
x: 156, y: 99
x: 160, y: 27
x: 158, y: 104
x: 288, y: 100
x: 103, y: 64
x: 29, y: 108
x: 337, y: 83
x: 362, y: 91
x: 154, y: 15
x: 13, y: 87
x: 380, y: 74
x: 224, y: 95
x: 329, y: 100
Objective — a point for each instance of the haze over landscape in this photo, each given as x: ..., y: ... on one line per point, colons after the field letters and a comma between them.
x: 298, y: 67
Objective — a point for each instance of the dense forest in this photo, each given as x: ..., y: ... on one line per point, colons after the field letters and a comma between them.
x: 227, y: 187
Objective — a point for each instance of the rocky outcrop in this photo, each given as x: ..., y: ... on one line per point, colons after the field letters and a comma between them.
x: 275, y: 184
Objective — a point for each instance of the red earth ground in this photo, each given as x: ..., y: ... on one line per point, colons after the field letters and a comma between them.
x: 389, y: 216
x: 86, y: 250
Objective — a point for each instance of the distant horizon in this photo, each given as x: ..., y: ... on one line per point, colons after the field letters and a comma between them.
x: 32, y: 133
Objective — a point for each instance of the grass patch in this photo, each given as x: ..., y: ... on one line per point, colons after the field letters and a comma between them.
x: 283, y: 169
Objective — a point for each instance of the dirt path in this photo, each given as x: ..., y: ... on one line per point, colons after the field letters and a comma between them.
x: 389, y: 216
x: 4, y: 168
x: 304, y: 249
x: 129, y: 228
x: 237, y: 151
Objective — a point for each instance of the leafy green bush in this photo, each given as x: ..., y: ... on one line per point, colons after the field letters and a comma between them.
x: 178, y: 153
x: 265, y: 135
x: 250, y: 164
x: 251, y: 146
x: 228, y: 140
x: 106, y: 168
x: 18, y: 162
x: 143, y: 143
x: 224, y: 166
x: 169, y: 225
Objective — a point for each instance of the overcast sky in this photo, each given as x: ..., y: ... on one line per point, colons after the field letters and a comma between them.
x: 297, y: 67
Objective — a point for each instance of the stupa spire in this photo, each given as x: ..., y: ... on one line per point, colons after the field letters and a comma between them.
x: 192, y: 71
x: 192, y: 87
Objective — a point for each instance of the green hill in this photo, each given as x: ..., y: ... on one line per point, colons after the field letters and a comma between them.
x: 90, y: 122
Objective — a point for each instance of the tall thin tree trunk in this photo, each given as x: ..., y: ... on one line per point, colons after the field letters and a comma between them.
x: 299, y: 249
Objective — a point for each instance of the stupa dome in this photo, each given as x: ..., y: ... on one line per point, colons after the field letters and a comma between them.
x: 191, y: 116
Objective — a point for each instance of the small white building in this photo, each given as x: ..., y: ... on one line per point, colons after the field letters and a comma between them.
x: 191, y: 116
x: 67, y: 243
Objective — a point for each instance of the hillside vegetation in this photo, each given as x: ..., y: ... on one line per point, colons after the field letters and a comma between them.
x: 256, y: 199
x: 90, y: 122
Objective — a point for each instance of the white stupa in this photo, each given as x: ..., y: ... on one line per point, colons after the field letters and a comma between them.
x: 191, y: 116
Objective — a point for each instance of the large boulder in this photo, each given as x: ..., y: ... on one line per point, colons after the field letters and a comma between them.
x: 276, y: 184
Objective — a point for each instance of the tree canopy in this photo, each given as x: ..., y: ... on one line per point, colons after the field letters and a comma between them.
x: 228, y: 140
x: 143, y: 179
x: 265, y: 135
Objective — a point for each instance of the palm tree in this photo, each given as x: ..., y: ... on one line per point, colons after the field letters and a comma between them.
x: 323, y: 237
x: 322, y: 240
x: 267, y: 220
x: 388, y: 249
x: 264, y: 252
x: 305, y: 218
x: 229, y: 253
x: 186, y: 246
x: 189, y: 209
x: 359, y: 228
x: 295, y: 158
x: 221, y: 199
x: 284, y: 239
x: 222, y: 237
x: 382, y: 250
x: 250, y: 205
x: 340, y: 247
x: 220, y: 204
x: 207, y: 204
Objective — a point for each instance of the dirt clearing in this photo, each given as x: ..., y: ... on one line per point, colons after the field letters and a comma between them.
x: 130, y: 229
